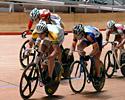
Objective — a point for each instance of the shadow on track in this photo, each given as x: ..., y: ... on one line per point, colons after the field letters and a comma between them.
x: 53, y: 97
x: 96, y: 95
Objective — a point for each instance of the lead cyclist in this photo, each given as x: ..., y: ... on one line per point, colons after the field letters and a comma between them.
x: 53, y: 37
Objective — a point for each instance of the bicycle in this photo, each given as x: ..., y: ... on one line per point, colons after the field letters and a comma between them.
x: 79, y: 74
x: 26, y: 60
x: 34, y: 73
x: 113, y: 63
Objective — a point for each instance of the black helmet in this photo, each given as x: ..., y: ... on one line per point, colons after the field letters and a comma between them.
x: 78, y: 29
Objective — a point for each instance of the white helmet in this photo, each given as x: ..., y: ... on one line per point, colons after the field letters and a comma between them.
x: 110, y: 24
x: 34, y: 14
x: 41, y: 27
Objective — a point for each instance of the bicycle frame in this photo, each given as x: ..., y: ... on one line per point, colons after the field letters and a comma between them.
x: 89, y: 73
x: 117, y: 59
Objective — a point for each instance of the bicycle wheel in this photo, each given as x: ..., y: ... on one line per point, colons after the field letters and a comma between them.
x: 109, y: 64
x: 50, y: 89
x: 98, y: 87
x: 29, y: 81
x: 24, y: 61
x: 77, y: 78
x: 66, y: 62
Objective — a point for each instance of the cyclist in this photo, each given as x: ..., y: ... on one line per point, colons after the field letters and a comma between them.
x: 46, y: 15
x: 85, y: 36
x: 52, y: 36
x: 42, y: 14
x: 118, y: 30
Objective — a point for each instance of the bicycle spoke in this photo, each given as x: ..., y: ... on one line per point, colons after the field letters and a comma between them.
x: 30, y: 87
x: 26, y: 77
x: 23, y: 90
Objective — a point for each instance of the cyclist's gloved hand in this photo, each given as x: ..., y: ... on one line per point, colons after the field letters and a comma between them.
x: 87, y: 57
x: 24, y: 34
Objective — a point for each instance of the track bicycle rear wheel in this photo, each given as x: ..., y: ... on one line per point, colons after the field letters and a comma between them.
x: 77, y: 79
x: 50, y: 89
x: 66, y: 62
x: 24, y: 61
x: 98, y: 87
x: 109, y: 64
x: 29, y: 81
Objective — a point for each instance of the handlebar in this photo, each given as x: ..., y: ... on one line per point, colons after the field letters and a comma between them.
x: 112, y: 42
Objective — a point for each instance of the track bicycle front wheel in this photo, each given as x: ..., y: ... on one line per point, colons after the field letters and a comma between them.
x: 109, y: 64
x: 24, y: 61
x: 29, y: 81
x: 77, y: 78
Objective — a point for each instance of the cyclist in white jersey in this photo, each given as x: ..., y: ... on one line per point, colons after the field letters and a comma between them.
x: 118, y: 30
x: 85, y: 36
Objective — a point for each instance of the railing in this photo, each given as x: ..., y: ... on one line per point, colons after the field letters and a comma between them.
x: 65, y: 5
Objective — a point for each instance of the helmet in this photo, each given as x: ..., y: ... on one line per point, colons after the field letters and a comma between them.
x: 34, y: 14
x: 110, y: 24
x: 45, y: 13
x: 78, y: 29
x: 41, y: 27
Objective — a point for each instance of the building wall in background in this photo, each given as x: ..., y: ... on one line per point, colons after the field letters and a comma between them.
x: 19, y: 21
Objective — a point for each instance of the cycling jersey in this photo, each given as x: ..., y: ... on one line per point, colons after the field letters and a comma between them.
x: 93, y: 32
x: 55, y: 19
x: 119, y: 29
x: 55, y: 34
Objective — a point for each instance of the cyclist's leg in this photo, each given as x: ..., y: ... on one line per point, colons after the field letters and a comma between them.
x: 81, y: 46
x: 117, y: 38
x: 47, y: 47
x: 98, y: 62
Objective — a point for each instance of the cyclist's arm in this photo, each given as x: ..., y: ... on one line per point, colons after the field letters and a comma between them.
x: 62, y: 24
x: 94, y: 44
x: 30, y: 25
x: 73, y: 46
x: 108, y: 32
x: 95, y: 49
x: 55, y: 50
x: 122, y: 42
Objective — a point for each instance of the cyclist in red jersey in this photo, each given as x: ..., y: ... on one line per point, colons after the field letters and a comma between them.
x: 45, y: 15
x: 41, y: 14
